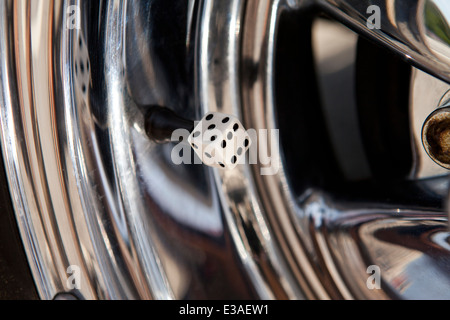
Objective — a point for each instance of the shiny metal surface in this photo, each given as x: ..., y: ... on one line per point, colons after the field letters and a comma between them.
x: 88, y: 187
x: 259, y: 108
x: 220, y: 90
x: 91, y: 190
x: 327, y: 245
x: 33, y: 183
x: 418, y: 30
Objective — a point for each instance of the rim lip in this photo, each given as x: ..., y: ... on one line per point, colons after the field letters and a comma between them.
x: 227, y: 101
x: 255, y: 32
x: 54, y: 236
x: 278, y: 200
x: 18, y: 188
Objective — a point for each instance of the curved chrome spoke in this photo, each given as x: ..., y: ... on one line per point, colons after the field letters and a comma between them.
x: 418, y: 30
x: 91, y: 190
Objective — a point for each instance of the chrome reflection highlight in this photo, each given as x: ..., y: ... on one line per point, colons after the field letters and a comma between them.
x: 325, y: 244
x: 88, y: 187
x: 91, y: 190
x: 436, y: 22
x: 418, y: 30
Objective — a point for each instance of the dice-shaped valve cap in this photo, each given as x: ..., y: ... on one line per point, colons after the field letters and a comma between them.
x: 218, y: 139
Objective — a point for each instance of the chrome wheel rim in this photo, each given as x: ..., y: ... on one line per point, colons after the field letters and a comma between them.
x: 312, y: 236
x: 91, y: 191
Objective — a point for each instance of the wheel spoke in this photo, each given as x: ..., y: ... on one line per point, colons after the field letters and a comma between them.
x: 418, y: 30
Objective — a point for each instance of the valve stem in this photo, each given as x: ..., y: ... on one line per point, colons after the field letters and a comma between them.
x: 161, y: 122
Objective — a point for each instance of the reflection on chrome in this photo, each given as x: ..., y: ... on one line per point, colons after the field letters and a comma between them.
x: 91, y: 190
x: 415, y: 29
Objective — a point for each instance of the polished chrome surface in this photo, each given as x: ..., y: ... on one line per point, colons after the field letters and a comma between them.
x: 326, y: 243
x: 418, y: 30
x: 91, y: 190
x: 35, y: 175
x: 88, y: 186
x: 220, y: 90
x: 258, y: 96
